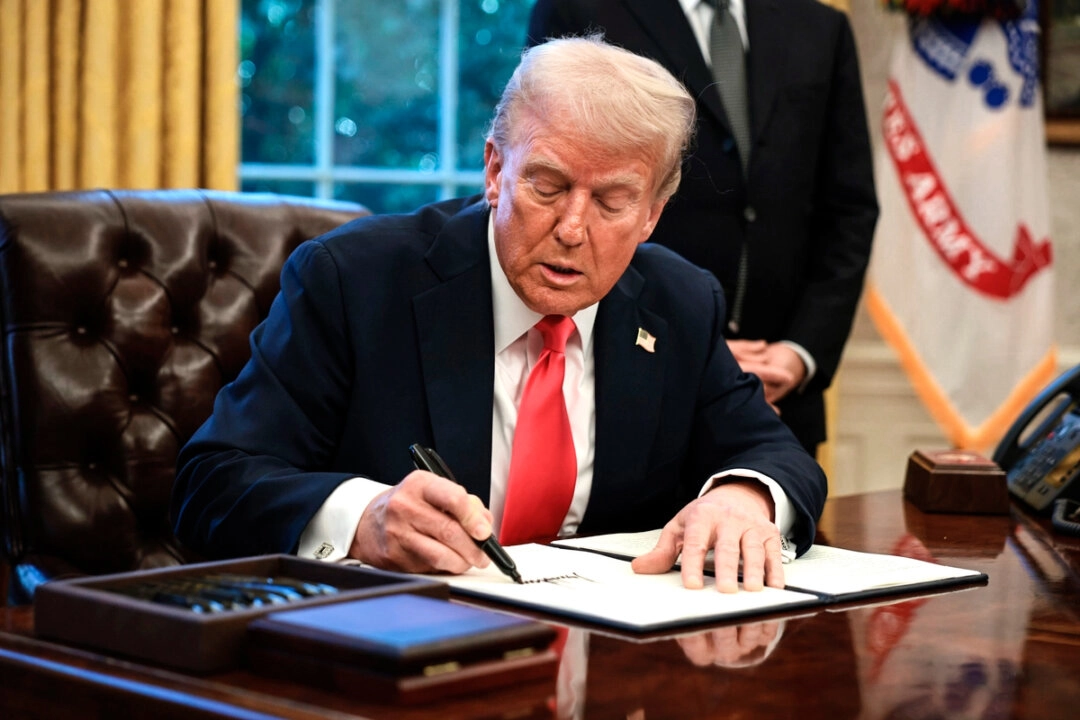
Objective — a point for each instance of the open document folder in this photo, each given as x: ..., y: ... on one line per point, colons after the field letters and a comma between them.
x: 602, y: 588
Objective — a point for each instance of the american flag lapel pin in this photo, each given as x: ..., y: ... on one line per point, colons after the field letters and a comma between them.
x: 645, y: 340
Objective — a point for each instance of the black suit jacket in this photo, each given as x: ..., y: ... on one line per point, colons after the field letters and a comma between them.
x: 383, y: 335
x: 806, y: 209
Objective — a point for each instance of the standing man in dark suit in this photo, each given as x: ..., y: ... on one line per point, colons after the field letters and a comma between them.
x: 432, y: 327
x: 785, y: 222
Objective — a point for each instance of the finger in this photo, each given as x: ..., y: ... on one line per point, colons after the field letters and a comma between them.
x: 750, y: 636
x: 747, y: 347
x: 466, y: 509
x: 697, y: 649
x: 420, y: 552
x: 725, y: 645
x: 752, y: 545
x: 662, y: 557
x: 726, y: 558
x: 773, y: 394
x: 477, y: 520
x: 774, y: 375
x: 774, y: 562
x: 696, y: 544
x: 752, y: 366
x: 769, y: 631
x: 448, y: 532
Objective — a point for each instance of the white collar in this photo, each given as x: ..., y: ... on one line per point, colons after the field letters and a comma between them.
x: 735, y: 7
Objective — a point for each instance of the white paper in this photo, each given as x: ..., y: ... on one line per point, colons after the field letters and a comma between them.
x: 823, y: 569
x: 606, y: 590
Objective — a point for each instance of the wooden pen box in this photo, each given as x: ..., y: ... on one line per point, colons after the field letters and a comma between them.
x: 95, y: 611
x: 955, y: 481
x: 402, y: 648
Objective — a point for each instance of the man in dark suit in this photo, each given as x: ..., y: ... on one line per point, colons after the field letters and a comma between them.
x: 420, y: 328
x: 787, y: 230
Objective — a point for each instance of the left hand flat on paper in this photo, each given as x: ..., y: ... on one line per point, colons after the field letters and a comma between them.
x: 734, y: 519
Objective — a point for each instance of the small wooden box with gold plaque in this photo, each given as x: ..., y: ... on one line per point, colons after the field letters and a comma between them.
x: 955, y: 481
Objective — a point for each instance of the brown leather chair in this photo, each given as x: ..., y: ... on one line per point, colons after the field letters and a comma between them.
x: 123, y: 313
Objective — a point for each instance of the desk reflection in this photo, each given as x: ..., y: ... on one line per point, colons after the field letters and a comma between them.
x: 911, y: 668
x: 720, y: 672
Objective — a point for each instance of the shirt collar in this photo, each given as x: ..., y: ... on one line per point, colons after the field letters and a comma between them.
x: 512, y: 317
x: 735, y: 7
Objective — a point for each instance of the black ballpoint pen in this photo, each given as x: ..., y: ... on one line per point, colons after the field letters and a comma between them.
x: 427, y: 459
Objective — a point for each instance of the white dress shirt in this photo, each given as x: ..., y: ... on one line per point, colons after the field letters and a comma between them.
x: 330, y: 532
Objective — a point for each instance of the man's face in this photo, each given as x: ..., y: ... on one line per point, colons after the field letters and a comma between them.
x: 567, y: 215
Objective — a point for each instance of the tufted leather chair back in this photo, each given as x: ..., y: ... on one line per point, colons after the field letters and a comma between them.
x: 123, y: 313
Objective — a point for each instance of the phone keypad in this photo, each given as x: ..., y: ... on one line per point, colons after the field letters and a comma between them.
x: 1051, y: 462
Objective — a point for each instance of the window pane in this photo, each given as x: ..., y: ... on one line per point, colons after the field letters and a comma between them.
x: 491, y: 39
x: 383, y: 198
x: 386, y: 108
x: 276, y: 73
x: 464, y: 190
x: 281, y: 187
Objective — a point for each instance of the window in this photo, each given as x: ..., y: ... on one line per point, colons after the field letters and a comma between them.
x: 382, y: 103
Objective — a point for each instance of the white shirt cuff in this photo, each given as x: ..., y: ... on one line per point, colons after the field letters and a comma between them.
x: 783, y: 510
x: 330, y: 532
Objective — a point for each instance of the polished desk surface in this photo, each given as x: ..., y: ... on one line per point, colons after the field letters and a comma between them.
x: 1006, y: 649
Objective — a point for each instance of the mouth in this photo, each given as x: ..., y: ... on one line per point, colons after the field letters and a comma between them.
x: 561, y: 270
x: 560, y: 275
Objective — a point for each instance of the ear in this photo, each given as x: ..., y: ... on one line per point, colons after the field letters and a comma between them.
x: 653, y: 217
x: 492, y: 173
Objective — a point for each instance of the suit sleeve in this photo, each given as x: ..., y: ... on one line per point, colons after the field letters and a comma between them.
x: 736, y: 424
x: 246, y: 481
x: 842, y: 222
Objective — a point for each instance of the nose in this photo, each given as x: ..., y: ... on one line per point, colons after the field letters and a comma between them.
x: 571, y: 227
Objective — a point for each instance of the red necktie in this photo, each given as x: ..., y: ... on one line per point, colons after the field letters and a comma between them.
x: 543, y: 465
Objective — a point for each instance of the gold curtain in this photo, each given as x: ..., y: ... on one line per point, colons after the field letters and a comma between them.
x: 118, y: 94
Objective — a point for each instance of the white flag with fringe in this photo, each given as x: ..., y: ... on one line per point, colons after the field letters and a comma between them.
x: 960, y: 282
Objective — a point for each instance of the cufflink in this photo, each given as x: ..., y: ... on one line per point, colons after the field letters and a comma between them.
x: 323, y: 551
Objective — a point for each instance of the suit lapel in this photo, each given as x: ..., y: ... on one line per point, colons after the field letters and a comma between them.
x: 666, y: 24
x: 629, y: 388
x: 766, y: 60
x: 456, y: 336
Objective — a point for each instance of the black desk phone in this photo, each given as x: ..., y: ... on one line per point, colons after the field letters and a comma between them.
x: 1040, y: 453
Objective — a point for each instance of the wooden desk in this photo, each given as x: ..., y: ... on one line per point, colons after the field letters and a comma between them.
x: 1010, y: 649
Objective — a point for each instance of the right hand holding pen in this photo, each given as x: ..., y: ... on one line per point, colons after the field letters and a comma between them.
x: 425, y: 523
